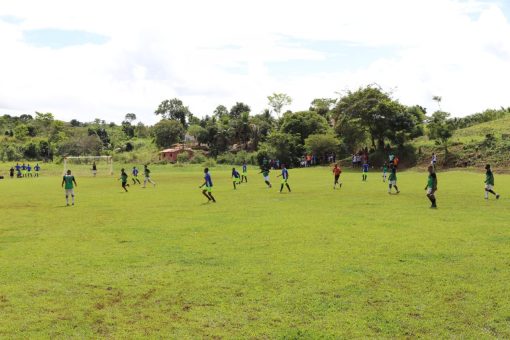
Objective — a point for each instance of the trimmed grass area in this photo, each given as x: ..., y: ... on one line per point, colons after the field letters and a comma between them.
x: 160, y: 262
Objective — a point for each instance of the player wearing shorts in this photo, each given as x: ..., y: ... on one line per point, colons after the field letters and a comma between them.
x: 68, y: 181
x: 29, y: 170
x: 392, y: 180
x: 147, y: 176
x: 285, y: 178
x: 236, y: 178
x: 244, y: 176
x: 134, y: 174
x: 336, y: 172
x: 124, y: 179
x: 489, y: 182
x: 24, y: 170
x: 432, y: 186
x: 37, y: 168
x: 384, y: 172
x: 265, y: 174
x: 365, y: 172
x: 94, y: 169
x: 207, y: 192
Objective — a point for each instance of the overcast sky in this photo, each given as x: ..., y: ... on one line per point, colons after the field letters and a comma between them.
x: 95, y: 58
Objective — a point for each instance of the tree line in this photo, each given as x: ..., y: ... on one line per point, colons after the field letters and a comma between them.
x: 367, y: 118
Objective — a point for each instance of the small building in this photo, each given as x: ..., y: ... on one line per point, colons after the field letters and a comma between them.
x: 170, y: 155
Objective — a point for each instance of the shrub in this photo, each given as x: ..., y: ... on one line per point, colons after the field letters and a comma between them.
x: 198, y: 158
x: 183, y: 157
x: 209, y: 163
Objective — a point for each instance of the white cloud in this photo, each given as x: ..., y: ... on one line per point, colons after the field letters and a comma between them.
x: 217, y: 52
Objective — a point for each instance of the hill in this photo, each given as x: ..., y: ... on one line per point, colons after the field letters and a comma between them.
x: 473, y: 146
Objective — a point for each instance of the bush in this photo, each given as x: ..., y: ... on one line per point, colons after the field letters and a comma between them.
x: 198, y: 158
x: 209, y: 163
x: 183, y: 157
x: 226, y: 158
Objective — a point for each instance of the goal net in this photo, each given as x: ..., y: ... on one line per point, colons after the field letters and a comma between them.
x: 84, y: 165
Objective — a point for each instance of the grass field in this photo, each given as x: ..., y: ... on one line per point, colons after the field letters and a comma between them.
x: 160, y: 262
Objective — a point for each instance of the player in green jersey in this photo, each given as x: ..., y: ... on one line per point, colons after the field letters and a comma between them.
x: 489, y: 182
x: 432, y: 186
x: 68, y: 181
x: 384, y: 172
x: 147, y: 176
x: 265, y: 172
x: 124, y: 178
x: 392, y: 180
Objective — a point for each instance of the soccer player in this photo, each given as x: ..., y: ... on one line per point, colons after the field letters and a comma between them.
x: 365, y: 172
x: 244, y: 176
x: 17, y: 167
x: 432, y: 186
x: 285, y: 177
x: 336, y: 172
x: 68, y: 180
x: 134, y: 172
x: 265, y: 174
x: 29, y: 170
x: 489, y: 182
x: 236, y: 178
x: 11, y: 172
x: 207, y: 192
x: 37, y: 168
x: 124, y: 178
x: 94, y: 169
x: 384, y: 172
x: 147, y: 176
x: 392, y: 180
x: 434, y: 160
x: 24, y: 170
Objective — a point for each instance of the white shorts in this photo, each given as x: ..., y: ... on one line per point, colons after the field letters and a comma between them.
x: 489, y: 187
x: 69, y: 192
x: 393, y: 182
x: 266, y: 178
x: 94, y: 172
x: 429, y: 191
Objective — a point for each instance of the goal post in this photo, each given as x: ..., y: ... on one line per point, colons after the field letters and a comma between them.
x: 102, y: 162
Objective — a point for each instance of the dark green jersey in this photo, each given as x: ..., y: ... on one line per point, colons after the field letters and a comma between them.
x: 489, y: 177
x: 432, y: 181
x: 124, y: 177
x: 146, y: 172
x: 68, y: 181
x: 265, y: 172
x: 393, y: 175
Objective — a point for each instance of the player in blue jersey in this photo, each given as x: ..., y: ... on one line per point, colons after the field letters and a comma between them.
x: 24, y: 170
x: 208, y: 186
x: 29, y: 170
x: 285, y: 178
x: 236, y: 178
x: 37, y: 168
x: 134, y: 176
x: 244, y: 175
x: 365, y: 171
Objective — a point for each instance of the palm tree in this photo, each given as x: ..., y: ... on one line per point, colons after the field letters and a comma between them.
x: 438, y: 100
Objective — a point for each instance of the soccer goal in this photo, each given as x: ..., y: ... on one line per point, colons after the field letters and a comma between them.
x: 104, y: 164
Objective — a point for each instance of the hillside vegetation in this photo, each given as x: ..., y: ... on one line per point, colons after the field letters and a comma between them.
x: 473, y: 146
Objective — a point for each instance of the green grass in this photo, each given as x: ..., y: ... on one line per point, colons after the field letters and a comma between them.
x: 160, y: 262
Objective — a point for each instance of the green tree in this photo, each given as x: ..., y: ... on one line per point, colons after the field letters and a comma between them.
x: 238, y: 109
x: 198, y: 132
x: 376, y: 113
x: 130, y: 117
x: 323, y: 106
x: 168, y: 132
x: 277, y: 101
x: 282, y: 146
x: 21, y: 131
x: 220, y: 111
x: 440, y: 129
x: 304, y: 124
x: 322, y: 144
x: 173, y: 109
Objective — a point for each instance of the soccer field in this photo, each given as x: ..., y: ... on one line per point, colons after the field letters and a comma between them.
x: 318, y: 262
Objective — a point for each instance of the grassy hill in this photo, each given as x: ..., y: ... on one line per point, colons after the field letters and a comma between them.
x: 472, y: 146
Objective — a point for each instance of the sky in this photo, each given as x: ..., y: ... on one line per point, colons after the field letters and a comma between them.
x: 102, y: 59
